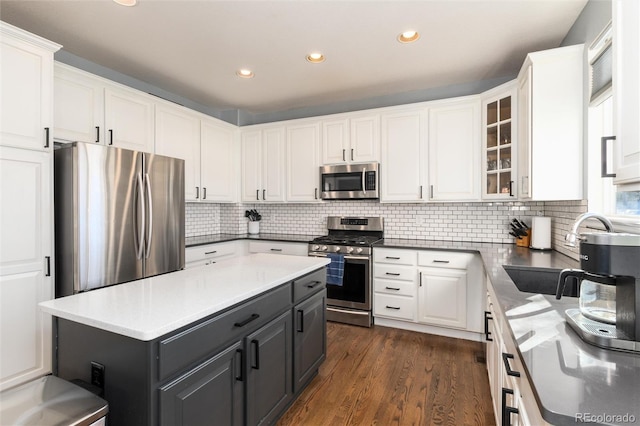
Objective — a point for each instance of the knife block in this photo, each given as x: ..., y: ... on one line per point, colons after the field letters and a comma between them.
x: 524, y: 241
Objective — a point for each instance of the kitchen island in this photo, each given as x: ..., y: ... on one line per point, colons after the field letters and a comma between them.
x: 234, y: 341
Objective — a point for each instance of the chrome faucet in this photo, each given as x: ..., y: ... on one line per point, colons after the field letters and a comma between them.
x: 572, y: 237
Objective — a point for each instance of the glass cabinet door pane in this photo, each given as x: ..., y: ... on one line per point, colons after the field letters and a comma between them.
x: 505, y: 182
x: 492, y: 183
x: 505, y: 133
x: 505, y: 158
x: 492, y: 113
x: 505, y: 108
x: 492, y: 136
x: 492, y: 160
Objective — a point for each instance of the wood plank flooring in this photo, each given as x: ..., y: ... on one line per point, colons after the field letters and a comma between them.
x: 385, y: 376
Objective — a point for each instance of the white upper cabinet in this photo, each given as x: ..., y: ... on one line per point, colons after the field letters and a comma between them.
x: 499, y: 143
x: 550, y: 125
x: 129, y: 119
x: 178, y: 136
x: 303, y: 162
x: 403, y: 156
x: 218, y: 160
x: 351, y: 140
x: 454, y: 150
x: 26, y: 115
x: 263, y: 164
x: 626, y: 91
x: 78, y: 106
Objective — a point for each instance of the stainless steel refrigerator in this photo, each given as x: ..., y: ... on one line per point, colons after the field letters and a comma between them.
x: 119, y: 216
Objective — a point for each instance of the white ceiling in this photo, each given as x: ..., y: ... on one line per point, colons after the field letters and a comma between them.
x: 193, y: 48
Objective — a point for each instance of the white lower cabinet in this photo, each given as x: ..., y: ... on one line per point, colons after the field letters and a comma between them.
x: 278, y: 247
x: 432, y: 288
x: 211, y: 253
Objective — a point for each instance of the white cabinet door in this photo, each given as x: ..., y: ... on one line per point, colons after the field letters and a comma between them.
x: 25, y: 264
x: 178, y: 136
x: 365, y: 139
x: 273, y: 164
x: 218, y: 157
x: 454, y: 150
x: 524, y: 134
x: 26, y: 84
x: 403, y: 156
x: 442, y: 297
x: 335, y: 141
x: 78, y: 106
x: 303, y: 152
x: 626, y: 90
x: 251, y: 147
x: 129, y: 120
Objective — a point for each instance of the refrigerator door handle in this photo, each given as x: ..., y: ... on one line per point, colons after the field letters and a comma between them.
x: 147, y: 243
x: 139, y: 213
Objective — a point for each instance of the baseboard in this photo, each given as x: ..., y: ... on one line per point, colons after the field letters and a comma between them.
x: 423, y: 328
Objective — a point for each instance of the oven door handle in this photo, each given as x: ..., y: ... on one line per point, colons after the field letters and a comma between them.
x: 346, y: 257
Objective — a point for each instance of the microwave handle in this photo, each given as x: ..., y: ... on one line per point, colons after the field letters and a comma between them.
x: 364, y: 187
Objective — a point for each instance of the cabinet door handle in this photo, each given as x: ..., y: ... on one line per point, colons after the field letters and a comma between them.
x: 393, y: 288
x: 351, y: 154
x: 431, y: 191
x: 487, y: 333
x: 314, y: 284
x: 393, y: 274
x: 603, y: 156
x: 505, y: 359
x: 421, y: 192
x: 392, y: 257
x: 264, y: 194
x: 110, y: 136
x: 420, y: 278
x: 510, y: 188
x: 506, y: 410
x: 47, y: 264
x: 239, y: 364
x: 253, y: 317
x: 275, y: 249
x: 315, y: 193
x: 440, y: 261
x: 197, y: 192
x: 211, y: 252
x: 256, y: 354
x: 397, y: 308
x: 46, y: 137
x: 257, y: 195
x: 300, y: 326
x: 97, y: 134
x: 204, y: 193
x: 343, y: 155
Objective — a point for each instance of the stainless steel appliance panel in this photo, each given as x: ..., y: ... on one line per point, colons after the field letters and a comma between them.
x: 350, y: 181
x: 163, y: 183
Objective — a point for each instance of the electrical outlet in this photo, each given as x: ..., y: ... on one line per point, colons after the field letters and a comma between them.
x: 97, y: 375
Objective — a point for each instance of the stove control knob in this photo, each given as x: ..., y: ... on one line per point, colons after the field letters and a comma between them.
x: 324, y: 248
x: 316, y: 247
x: 359, y: 250
x: 337, y: 249
x: 349, y: 249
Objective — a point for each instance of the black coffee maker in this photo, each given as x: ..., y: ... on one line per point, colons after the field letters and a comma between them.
x: 608, y: 259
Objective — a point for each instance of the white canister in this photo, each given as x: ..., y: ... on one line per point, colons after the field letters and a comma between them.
x: 254, y: 227
x: 541, y: 233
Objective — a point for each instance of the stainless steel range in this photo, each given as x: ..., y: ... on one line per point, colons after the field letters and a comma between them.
x: 349, y: 242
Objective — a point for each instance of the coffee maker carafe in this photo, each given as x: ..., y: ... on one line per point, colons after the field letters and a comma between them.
x: 609, y: 314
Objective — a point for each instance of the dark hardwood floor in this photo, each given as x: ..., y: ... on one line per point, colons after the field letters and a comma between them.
x: 385, y: 376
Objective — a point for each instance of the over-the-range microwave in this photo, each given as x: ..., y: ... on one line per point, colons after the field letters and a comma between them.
x: 350, y: 181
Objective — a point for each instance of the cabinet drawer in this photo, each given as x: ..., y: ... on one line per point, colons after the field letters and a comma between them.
x: 400, y: 307
x: 311, y: 283
x: 275, y: 247
x: 194, y: 344
x: 398, y: 257
x: 210, y: 251
x: 397, y: 287
x: 444, y: 259
x: 394, y: 272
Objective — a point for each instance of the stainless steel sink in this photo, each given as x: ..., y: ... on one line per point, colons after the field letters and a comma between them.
x: 536, y: 280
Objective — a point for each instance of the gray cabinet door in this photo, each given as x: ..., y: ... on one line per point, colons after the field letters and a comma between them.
x: 210, y: 394
x: 269, y: 365
x: 309, y: 339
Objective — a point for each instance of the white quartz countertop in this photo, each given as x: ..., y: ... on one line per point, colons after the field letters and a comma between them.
x: 149, y: 308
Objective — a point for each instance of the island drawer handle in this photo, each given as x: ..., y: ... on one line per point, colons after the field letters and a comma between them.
x: 393, y: 288
x: 211, y: 252
x: 314, y: 284
x: 505, y: 358
x: 393, y: 274
x: 253, y: 317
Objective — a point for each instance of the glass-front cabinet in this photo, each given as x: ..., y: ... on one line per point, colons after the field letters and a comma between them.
x: 499, y: 146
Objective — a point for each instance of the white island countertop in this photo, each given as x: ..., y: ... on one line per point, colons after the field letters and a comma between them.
x: 149, y: 308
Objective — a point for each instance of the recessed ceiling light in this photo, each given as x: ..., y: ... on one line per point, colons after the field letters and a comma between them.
x: 126, y: 2
x: 315, y: 57
x: 408, y: 36
x: 245, y: 73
